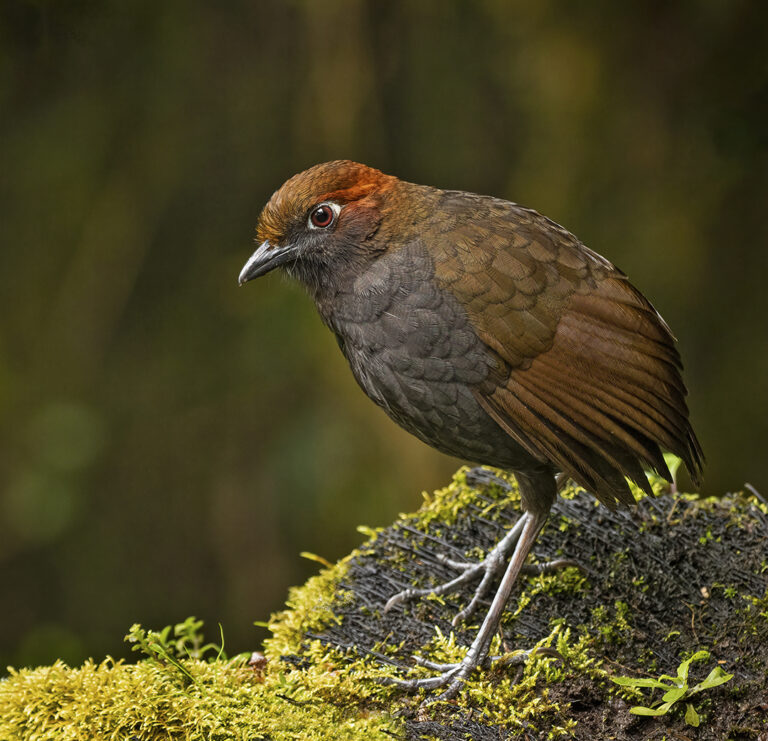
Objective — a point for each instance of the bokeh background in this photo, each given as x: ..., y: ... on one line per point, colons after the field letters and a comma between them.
x: 169, y: 443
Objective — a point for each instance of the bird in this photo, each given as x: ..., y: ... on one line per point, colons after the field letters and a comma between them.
x: 491, y: 333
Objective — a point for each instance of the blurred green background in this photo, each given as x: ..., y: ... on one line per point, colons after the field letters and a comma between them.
x: 169, y: 443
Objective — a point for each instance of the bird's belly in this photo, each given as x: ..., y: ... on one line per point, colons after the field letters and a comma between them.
x: 424, y: 396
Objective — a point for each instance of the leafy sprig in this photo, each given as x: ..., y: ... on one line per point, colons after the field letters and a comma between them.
x: 675, y: 688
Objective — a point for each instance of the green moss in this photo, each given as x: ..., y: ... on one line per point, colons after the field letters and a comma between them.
x: 228, y: 700
x: 188, y: 699
x: 611, y: 622
x: 306, y: 688
x: 526, y: 698
x: 309, y: 609
x: 445, y: 505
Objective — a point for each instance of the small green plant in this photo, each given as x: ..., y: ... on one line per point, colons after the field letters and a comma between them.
x: 676, y: 688
x: 170, y: 645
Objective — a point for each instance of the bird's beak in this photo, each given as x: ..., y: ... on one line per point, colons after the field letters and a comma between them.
x: 266, y: 258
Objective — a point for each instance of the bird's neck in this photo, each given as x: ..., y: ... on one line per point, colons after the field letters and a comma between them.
x: 382, y: 229
x: 325, y: 279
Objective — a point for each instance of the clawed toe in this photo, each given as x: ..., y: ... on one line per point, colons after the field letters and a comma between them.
x: 409, y: 594
x: 453, y: 676
x: 549, y: 567
x: 486, y: 570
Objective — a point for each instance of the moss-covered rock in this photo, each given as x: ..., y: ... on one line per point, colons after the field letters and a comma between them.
x: 675, y: 576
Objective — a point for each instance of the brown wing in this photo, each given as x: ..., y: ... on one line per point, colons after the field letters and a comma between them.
x: 587, y: 375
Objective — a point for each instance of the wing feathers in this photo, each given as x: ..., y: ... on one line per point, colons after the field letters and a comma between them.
x: 605, y: 394
x: 626, y: 408
x: 570, y: 455
x: 585, y: 371
x: 603, y: 429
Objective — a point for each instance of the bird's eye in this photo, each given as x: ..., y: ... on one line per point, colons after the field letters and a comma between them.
x: 323, y: 216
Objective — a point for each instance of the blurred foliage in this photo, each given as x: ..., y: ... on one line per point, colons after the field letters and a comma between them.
x: 169, y: 443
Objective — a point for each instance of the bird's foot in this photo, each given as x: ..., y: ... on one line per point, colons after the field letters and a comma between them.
x: 486, y: 571
x: 453, y: 676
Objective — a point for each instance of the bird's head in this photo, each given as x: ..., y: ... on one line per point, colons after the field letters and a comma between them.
x: 321, y: 221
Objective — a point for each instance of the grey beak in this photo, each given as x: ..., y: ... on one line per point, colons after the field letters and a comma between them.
x: 266, y: 258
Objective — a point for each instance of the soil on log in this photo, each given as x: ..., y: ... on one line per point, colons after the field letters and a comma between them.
x: 673, y: 576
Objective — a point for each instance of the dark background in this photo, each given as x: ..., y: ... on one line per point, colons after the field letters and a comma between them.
x: 169, y: 443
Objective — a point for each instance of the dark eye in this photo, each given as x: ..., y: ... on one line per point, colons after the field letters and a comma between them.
x: 322, y: 216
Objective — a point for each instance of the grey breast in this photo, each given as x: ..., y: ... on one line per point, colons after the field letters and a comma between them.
x: 413, y: 351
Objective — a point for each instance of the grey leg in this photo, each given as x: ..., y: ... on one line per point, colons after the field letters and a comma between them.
x: 487, y: 569
x: 455, y: 675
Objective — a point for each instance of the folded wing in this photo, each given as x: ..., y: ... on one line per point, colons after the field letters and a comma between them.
x: 586, y: 374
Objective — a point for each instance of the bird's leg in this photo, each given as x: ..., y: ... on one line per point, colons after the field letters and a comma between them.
x: 488, y: 568
x: 454, y: 675
x: 485, y: 570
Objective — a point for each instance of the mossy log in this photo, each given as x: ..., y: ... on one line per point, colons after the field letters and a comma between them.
x: 674, y: 576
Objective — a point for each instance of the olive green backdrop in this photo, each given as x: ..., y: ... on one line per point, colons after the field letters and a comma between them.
x: 169, y: 443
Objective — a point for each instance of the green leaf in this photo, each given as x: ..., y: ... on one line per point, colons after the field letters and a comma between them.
x: 661, y: 710
x: 673, y: 695
x: 673, y: 463
x: 715, y: 678
x: 691, y: 716
x: 639, y: 682
x: 682, y: 670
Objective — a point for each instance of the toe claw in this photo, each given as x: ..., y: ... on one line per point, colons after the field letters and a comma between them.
x: 435, y: 666
x: 396, y: 599
x: 456, y: 565
x: 548, y: 567
x: 453, y: 676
